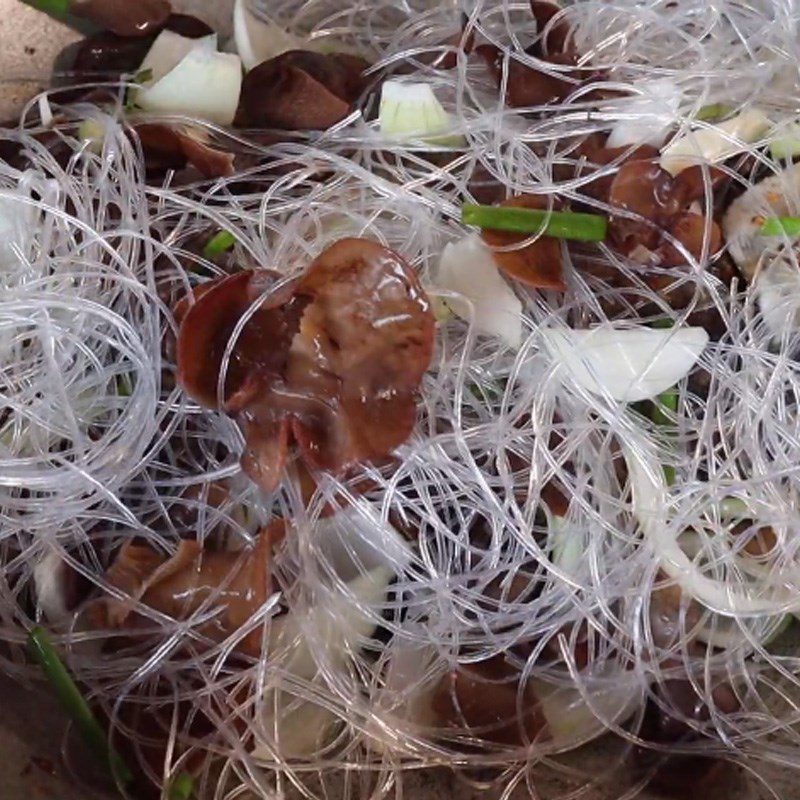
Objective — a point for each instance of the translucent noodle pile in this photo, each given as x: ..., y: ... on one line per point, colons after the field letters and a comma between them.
x: 100, y: 447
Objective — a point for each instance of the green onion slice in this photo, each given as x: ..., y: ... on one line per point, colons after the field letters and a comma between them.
x: 75, y: 704
x: 558, y: 224
x: 182, y: 787
x: 781, y: 226
x: 218, y: 244
x: 712, y: 112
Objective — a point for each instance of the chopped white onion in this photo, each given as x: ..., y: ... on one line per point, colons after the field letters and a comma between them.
x: 257, y: 39
x: 202, y: 83
x: 629, y: 364
x: 787, y: 145
x: 651, y: 509
x: 48, y: 582
x: 714, y: 143
x: 16, y: 231
x: 776, y: 195
x: 568, y: 542
x: 365, y: 554
x: 572, y: 721
x: 777, y: 288
x: 169, y: 49
x: 653, y: 113
x: 467, y: 267
x: 412, y: 111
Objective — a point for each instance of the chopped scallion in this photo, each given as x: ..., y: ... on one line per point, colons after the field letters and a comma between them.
x: 787, y: 145
x: 666, y: 400
x: 664, y: 322
x: 182, y: 787
x: 781, y: 226
x: 218, y: 244
x: 124, y: 385
x: 143, y: 75
x: 559, y: 224
x: 712, y: 112
x: 75, y: 704
x: 57, y: 8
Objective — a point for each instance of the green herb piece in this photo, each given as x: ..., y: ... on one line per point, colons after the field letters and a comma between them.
x: 182, y: 787
x: 559, y: 224
x: 713, y: 111
x: 664, y: 322
x: 62, y: 10
x: 124, y: 385
x: 788, y: 145
x: 218, y: 244
x: 56, y: 8
x: 734, y: 508
x: 666, y: 400
x: 143, y: 75
x: 75, y: 704
x: 781, y: 226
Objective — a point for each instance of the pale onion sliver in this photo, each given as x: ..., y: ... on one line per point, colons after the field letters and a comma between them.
x: 467, y: 267
x: 650, y: 508
x: 412, y: 111
x: 204, y: 84
x: 629, y: 364
x: 714, y: 143
x: 334, y: 629
x: 572, y: 720
x: 169, y: 49
x: 777, y: 289
x: 365, y: 554
x: 48, y: 582
x: 654, y: 110
x: 257, y: 40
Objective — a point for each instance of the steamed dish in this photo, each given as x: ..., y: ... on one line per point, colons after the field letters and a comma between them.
x: 398, y: 387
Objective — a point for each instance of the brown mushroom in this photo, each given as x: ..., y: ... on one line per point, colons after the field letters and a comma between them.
x: 110, y: 54
x: 527, y: 86
x: 645, y: 189
x: 485, y: 699
x: 208, y: 324
x: 538, y: 264
x: 179, y: 585
x: 331, y: 363
x: 122, y: 17
x: 301, y: 90
x: 553, y: 38
x: 168, y: 147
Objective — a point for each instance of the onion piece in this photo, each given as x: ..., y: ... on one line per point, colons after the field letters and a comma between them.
x: 49, y: 586
x: 169, y: 49
x: 787, y: 145
x: 403, y: 706
x: 629, y: 364
x: 17, y: 227
x: 777, y: 290
x: 653, y: 113
x: 365, y: 554
x: 650, y: 506
x: 412, y: 111
x: 714, y: 143
x: 568, y: 545
x: 468, y: 268
x: 777, y: 196
x: 257, y: 39
x: 572, y: 721
x: 203, y: 83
